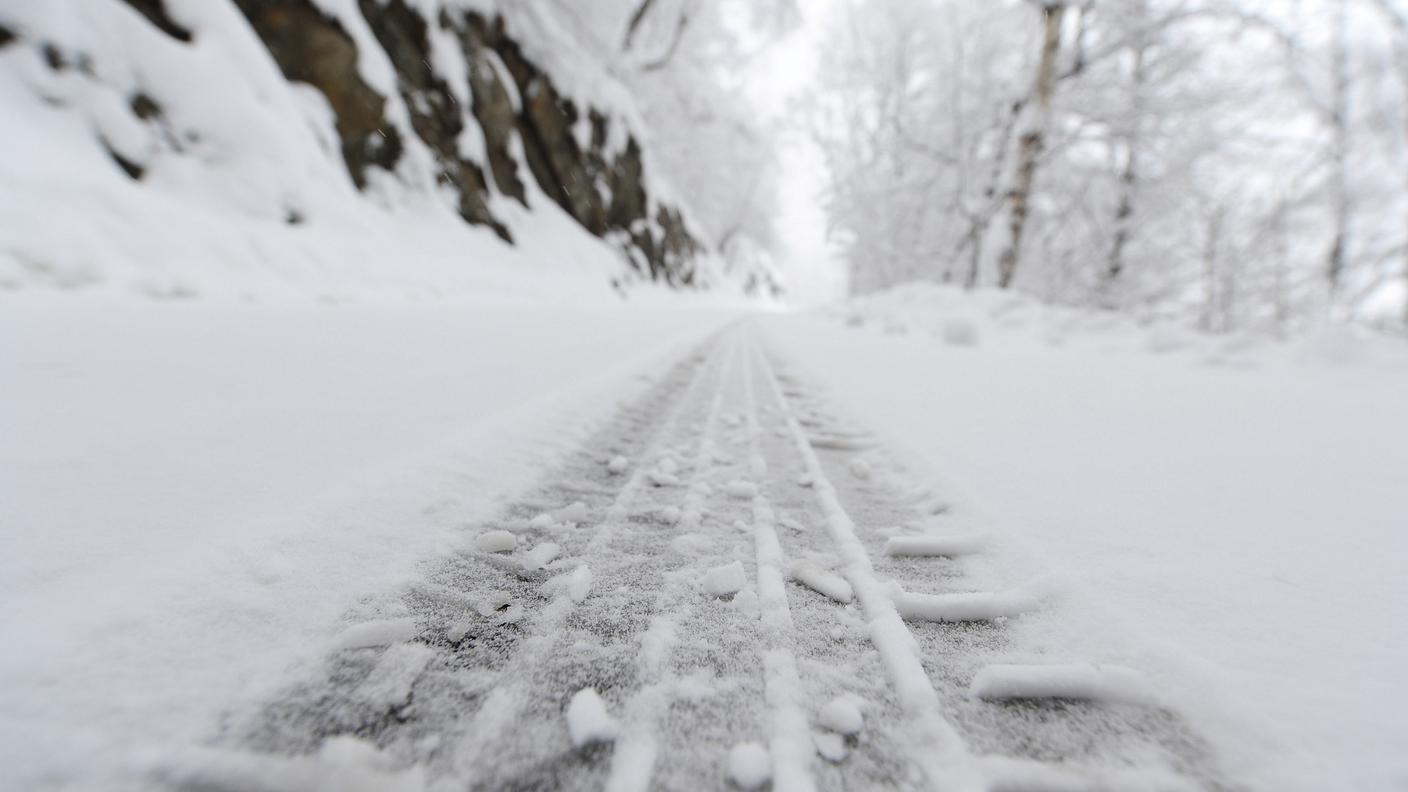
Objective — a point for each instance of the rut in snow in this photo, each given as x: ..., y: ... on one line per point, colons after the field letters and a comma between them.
x: 701, y: 598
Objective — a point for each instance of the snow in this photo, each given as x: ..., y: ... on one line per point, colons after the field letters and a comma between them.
x: 1227, y: 516
x: 617, y: 465
x: 841, y: 715
x: 830, y: 746
x: 743, y: 490
x: 540, y: 556
x: 389, y: 683
x: 588, y: 721
x: 490, y: 602
x: 726, y: 580
x: 341, y: 764
x: 495, y: 542
x: 247, y: 476
x: 575, y: 512
x: 960, y: 332
x: 859, y: 468
x: 749, y: 766
x: 579, y: 585
x: 1073, y: 681
x: 239, y: 152
x: 662, y: 479
x: 959, y: 545
x: 821, y: 581
x: 893, y: 642
x: 377, y: 633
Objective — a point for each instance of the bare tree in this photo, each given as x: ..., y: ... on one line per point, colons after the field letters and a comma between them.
x: 1033, y: 140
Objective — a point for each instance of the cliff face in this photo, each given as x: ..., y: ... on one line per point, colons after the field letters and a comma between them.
x: 450, y: 99
x: 602, y: 189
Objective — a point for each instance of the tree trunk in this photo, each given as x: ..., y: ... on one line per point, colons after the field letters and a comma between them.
x: 1211, y: 282
x: 1339, y: 156
x: 1128, y: 185
x: 1032, y: 142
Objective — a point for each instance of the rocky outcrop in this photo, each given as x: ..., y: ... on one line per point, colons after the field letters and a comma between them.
x: 566, y: 149
x: 312, y: 47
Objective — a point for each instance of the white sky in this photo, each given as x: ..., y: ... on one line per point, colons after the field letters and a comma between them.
x: 814, y: 274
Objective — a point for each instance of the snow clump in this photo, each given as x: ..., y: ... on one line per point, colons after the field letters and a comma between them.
x: 588, y: 721
x: 722, y: 581
x: 749, y: 766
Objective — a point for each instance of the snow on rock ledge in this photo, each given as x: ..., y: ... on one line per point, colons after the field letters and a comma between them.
x: 297, y: 114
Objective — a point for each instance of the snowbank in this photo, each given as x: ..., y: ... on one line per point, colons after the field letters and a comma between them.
x: 1226, y: 515
x: 193, y: 497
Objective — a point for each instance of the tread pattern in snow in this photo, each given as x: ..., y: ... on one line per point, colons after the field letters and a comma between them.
x: 477, y: 700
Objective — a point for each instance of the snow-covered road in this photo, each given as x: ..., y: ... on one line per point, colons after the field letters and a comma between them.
x: 258, y: 549
x: 191, y: 495
x: 687, y: 602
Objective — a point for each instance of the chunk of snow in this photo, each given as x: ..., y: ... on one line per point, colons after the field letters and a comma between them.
x: 489, y: 603
x: 964, y: 544
x: 743, y: 490
x: 580, y: 584
x: 822, y: 582
x: 668, y: 465
x: 661, y: 479
x: 1074, y: 681
x: 377, y: 633
x: 390, y: 680
x: 540, y: 556
x: 860, y: 469
x: 965, y: 606
x: 960, y: 332
x: 831, y: 746
x: 804, y: 480
x: 746, y: 602
x: 670, y: 514
x: 749, y: 765
x: 575, y: 512
x: 617, y: 465
x: 838, y: 633
x: 542, y: 521
x: 842, y: 716
x: 588, y: 721
x: 758, y: 466
x: 496, y: 542
x: 725, y: 580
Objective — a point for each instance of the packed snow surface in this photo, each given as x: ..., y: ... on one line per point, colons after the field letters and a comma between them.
x: 194, y: 496
x: 1234, y: 503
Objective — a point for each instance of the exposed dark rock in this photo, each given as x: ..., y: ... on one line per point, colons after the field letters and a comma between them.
x: 7, y: 37
x: 133, y: 169
x: 313, y: 48
x: 605, y: 193
x: 596, y: 176
x: 155, y: 12
x: 145, y: 107
x: 436, y: 116
x: 54, y: 57
x: 493, y: 104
